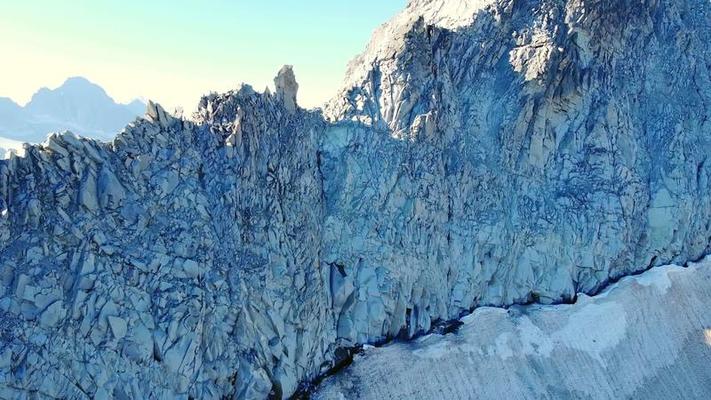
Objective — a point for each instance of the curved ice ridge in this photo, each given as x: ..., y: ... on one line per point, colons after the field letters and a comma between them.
x: 543, y: 149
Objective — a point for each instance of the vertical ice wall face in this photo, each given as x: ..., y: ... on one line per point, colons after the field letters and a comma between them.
x: 481, y: 153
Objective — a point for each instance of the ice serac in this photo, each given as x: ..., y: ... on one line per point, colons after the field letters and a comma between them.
x: 480, y: 153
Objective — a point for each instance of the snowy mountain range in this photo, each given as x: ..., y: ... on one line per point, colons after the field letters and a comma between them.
x: 482, y: 156
x: 77, y: 105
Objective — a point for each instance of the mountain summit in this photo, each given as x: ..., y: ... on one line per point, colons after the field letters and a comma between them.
x: 491, y: 153
x: 77, y: 105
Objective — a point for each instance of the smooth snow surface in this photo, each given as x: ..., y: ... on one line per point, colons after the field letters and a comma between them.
x: 646, y: 337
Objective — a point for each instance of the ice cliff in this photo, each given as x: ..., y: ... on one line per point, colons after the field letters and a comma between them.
x: 480, y: 153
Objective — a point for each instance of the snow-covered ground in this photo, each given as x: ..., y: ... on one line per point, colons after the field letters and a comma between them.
x: 646, y: 337
x: 8, y: 145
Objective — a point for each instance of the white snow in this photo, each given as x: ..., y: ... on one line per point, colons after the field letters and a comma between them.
x: 534, y: 341
x: 585, y: 333
x: 9, y: 146
x: 639, y: 339
x: 658, y: 277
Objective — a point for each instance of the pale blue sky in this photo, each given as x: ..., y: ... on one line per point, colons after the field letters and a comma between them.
x: 174, y: 51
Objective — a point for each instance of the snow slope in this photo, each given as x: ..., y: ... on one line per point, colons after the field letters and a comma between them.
x: 645, y: 337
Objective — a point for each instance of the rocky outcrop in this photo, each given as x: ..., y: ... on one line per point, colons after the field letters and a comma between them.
x: 646, y: 337
x: 287, y: 87
x: 526, y: 152
x: 537, y: 152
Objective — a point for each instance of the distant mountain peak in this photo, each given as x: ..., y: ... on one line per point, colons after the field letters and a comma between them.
x: 7, y: 100
x: 78, y: 104
x: 78, y: 79
x: 138, y: 100
x: 80, y: 86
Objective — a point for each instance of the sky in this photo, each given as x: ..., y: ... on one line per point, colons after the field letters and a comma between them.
x: 175, y: 51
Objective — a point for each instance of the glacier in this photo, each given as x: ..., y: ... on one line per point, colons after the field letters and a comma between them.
x: 480, y: 153
x: 645, y: 337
